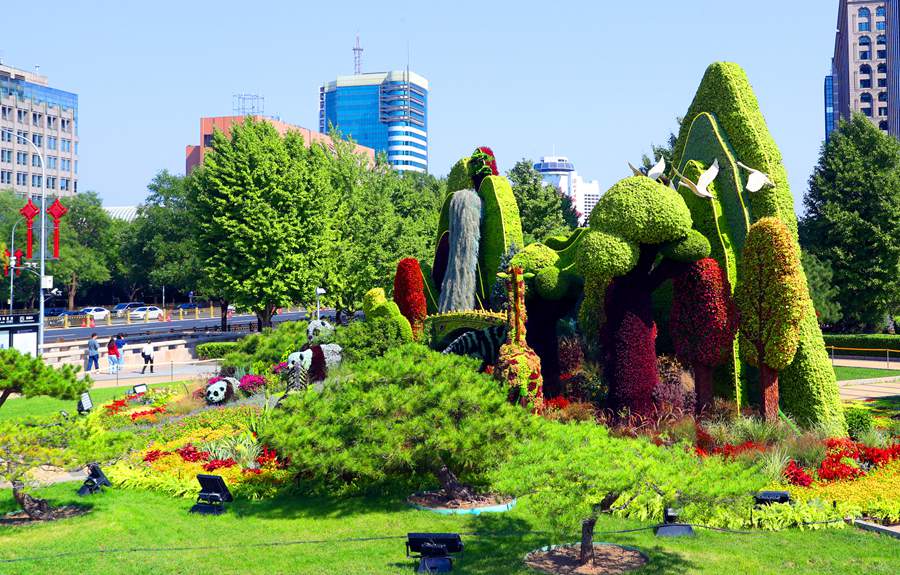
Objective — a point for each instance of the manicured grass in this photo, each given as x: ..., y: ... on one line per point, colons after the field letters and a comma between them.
x: 148, y: 522
x: 850, y: 373
x: 43, y: 406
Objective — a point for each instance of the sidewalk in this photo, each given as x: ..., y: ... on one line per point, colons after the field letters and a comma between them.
x: 865, y: 389
x: 870, y: 362
x: 163, y: 373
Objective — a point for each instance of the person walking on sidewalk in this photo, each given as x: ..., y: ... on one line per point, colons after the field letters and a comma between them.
x: 93, y: 351
x: 112, y: 354
x: 120, y: 345
x: 147, y: 354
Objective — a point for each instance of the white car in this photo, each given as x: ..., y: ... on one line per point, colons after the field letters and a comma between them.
x: 98, y: 313
x: 148, y: 311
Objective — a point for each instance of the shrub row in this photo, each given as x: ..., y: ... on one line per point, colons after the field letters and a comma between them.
x: 215, y: 349
x: 862, y: 341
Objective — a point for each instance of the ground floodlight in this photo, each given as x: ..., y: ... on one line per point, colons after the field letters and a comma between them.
x: 213, y: 495
x: 433, y: 550
x: 85, y: 404
x: 139, y: 388
x: 64, y: 413
x: 770, y: 497
x: 670, y: 527
x: 95, y: 480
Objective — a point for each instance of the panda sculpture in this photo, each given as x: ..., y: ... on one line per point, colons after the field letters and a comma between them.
x: 319, y: 329
x: 316, y: 360
x: 221, y: 391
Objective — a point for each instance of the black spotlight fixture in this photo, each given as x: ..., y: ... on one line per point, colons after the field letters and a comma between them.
x: 64, y: 414
x: 433, y: 550
x: 213, y: 495
x: 85, y: 405
x: 96, y: 479
x: 671, y: 527
x: 770, y: 497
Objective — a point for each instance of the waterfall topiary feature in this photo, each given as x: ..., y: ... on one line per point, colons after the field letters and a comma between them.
x: 460, y: 281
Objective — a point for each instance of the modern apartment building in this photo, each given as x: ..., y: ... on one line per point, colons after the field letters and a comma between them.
x: 386, y: 111
x: 865, y: 68
x: 560, y: 173
x: 194, y: 154
x: 31, y: 112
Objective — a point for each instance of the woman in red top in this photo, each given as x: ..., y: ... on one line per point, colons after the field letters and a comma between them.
x: 112, y: 354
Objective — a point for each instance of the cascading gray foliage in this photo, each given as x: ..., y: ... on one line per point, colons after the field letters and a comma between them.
x: 458, y: 289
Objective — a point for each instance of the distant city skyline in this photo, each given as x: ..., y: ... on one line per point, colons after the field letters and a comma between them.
x: 599, y: 82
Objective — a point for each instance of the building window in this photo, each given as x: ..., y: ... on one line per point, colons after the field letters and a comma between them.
x: 21, y: 116
x: 865, y: 48
x: 883, y: 125
x: 5, y: 112
x: 65, y: 165
x: 6, y: 156
x: 880, y: 25
x: 64, y: 184
x: 22, y: 158
x: 882, y: 111
x: 882, y: 54
x: 21, y: 178
x: 51, y: 162
x: 5, y: 137
x: 865, y: 83
x: 882, y: 40
x: 51, y: 142
x: 35, y: 180
x: 35, y: 161
x: 882, y: 96
x: 865, y: 97
x: 865, y: 55
x: 51, y: 183
x: 865, y: 76
x: 37, y: 119
x: 880, y: 11
x: 5, y: 177
x: 65, y: 125
x: 882, y: 82
x: 66, y: 145
x: 882, y: 68
x: 865, y: 20
x: 37, y: 140
x: 867, y: 112
x: 51, y: 122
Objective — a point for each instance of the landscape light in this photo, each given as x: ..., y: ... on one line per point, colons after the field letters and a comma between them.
x: 85, y: 404
x: 670, y: 527
x: 213, y: 495
x: 64, y: 413
x: 770, y: 497
x: 433, y: 550
x: 139, y: 388
x: 96, y: 479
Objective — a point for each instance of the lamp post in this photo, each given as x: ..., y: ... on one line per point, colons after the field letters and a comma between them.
x: 319, y: 292
x: 12, y: 268
x: 43, y: 237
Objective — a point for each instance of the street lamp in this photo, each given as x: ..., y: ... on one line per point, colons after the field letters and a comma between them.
x: 43, y: 236
x: 13, y: 262
x: 319, y: 292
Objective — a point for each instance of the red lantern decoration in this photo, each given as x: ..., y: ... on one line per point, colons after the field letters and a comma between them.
x: 29, y: 211
x: 56, y: 211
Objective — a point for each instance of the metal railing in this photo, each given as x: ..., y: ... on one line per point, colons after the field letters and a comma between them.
x: 876, y: 356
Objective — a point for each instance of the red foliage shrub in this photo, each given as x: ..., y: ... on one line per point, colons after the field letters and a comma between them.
x: 795, y: 475
x: 190, y: 453
x: 219, y: 464
x: 729, y: 450
x: 269, y: 458
x: 148, y: 413
x: 878, y: 456
x: 556, y: 404
x: 115, y: 407
x: 636, y: 375
x: 570, y: 355
x: 409, y: 293
x: 152, y: 456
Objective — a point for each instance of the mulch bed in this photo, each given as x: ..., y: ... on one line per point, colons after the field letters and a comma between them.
x: 21, y: 518
x: 439, y: 500
x: 608, y: 560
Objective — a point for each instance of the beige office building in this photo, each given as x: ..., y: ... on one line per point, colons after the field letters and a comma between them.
x: 37, y: 121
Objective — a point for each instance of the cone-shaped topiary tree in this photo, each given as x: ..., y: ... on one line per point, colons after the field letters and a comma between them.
x: 703, y: 323
x: 409, y: 294
x: 772, y: 298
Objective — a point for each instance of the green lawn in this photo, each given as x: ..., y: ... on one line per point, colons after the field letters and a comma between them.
x: 300, y: 536
x: 849, y: 373
x: 42, y: 405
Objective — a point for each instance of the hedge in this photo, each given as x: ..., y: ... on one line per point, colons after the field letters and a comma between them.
x: 501, y: 227
x: 862, y: 341
x: 216, y: 349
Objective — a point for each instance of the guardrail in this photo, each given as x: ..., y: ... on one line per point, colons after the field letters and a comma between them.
x: 879, y: 352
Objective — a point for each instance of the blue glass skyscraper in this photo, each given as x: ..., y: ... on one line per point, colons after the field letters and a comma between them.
x: 386, y: 111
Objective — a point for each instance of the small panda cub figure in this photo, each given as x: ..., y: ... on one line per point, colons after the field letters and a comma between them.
x: 221, y: 392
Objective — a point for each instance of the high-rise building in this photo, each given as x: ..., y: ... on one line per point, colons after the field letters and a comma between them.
x: 560, y: 173
x: 193, y: 155
x: 865, y: 68
x: 386, y: 111
x: 46, y: 117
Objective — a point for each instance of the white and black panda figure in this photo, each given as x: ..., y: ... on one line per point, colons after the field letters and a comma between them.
x: 318, y: 330
x: 221, y: 392
x: 316, y: 360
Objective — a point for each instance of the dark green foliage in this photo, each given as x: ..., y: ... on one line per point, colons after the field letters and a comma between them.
x: 875, y: 342
x: 216, y: 349
x: 269, y: 347
x: 498, y: 292
x: 819, y: 278
x: 404, y: 417
x: 30, y: 376
x: 370, y: 338
x: 852, y: 218
x: 859, y: 421
x: 540, y: 205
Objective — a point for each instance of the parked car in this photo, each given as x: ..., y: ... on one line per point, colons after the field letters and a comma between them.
x: 99, y: 313
x: 53, y: 311
x: 187, y: 306
x: 124, y: 308
x: 147, y: 311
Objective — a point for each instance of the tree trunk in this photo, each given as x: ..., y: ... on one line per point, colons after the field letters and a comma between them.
x: 264, y: 316
x: 38, y: 509
x: 451, y: 485
x: 768, y: 379
x: 223, y: 310
x: 703, y: 387
x: 3, y: 396
x: 73, y: 286
x: 587, y: 540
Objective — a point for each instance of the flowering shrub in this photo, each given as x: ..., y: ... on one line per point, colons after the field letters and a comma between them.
x: 154, y: 454
x: 409, y: 294
x: 874, y: 495
x: 148, y: 415
x: 279, y: 367
x: 556, y: 404
x: 191, y: 453
x: 795, y: 475
x: 115, y: 407
x: 219, y: 464
x: 251, y: 384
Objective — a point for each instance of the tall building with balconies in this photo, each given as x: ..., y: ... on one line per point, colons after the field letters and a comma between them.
x: 386, y: 111
x: 560, y: 173
x: 31, y: 112
x: 865, y: 68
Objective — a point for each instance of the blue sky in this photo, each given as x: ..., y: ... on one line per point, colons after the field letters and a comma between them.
x: 594, y: 82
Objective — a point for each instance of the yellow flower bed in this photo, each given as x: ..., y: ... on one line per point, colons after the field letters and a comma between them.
x: 875, y: 495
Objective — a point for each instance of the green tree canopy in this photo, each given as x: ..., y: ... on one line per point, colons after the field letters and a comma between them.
x: 820, y: 279
x: 30, y: 376
x: 541, y: 206
x: 852, y: 220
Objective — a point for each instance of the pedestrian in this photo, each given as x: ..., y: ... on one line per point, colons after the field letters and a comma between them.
x: 93, y: 351
x: 120, y: 345
x: 147, y: 354
x: 112, y: 354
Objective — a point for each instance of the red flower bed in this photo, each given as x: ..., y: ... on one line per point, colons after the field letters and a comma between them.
x: 269, y: 458
x: 149, y: 413
x: 190, y: 453
x: 219, y: 464
x: 116, y: 406
x: 557, y: 403
x: 409, y: 293
x: 878, y: 456
x: 152, y: 456
x: 796, y: 476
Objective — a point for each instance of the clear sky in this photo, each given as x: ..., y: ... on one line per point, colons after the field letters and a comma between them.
x: 596, y: 82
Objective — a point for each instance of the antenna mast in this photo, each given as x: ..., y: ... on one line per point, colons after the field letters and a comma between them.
x: 357, y: 57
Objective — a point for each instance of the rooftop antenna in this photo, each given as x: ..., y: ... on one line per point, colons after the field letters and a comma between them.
x: 37, y: 69
x: 357, y: 57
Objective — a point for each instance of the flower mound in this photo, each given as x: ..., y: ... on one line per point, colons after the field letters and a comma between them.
x: 795, y: 475
x: 251, y: 384
x: 409, y: 294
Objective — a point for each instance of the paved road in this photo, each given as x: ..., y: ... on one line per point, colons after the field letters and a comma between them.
x: 103, y: 330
